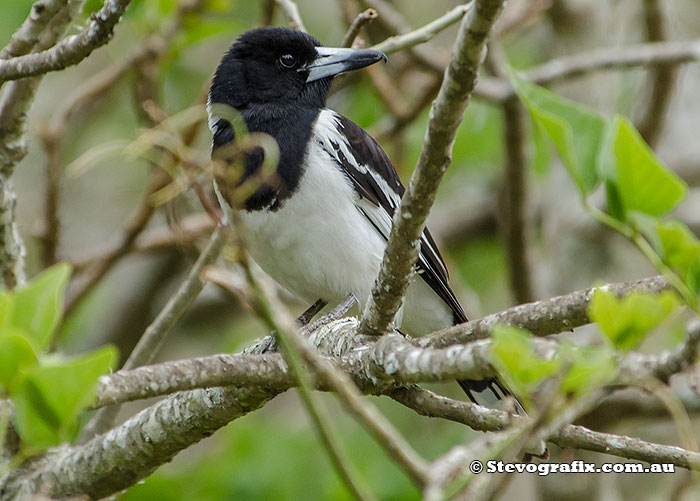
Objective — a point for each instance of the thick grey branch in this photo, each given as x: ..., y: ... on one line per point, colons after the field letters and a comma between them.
x: 112, y: 462
x: 267, y: 370
x: 374, y: 364
x: 445, y: 116
x: 28, y: 35
x: 549, y: 316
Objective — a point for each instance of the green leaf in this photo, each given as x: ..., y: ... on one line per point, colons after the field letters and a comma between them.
x: 16, y: 354
x: 681, y: 249
x: 7, y: 304
x: 588, y: 367
x: 576, y: 131
x: 49, y: 398
x: 513, y: 356
x: 38, y: 306
x: 542, y: 155
x: 642, y: 182
x: 627, y: 321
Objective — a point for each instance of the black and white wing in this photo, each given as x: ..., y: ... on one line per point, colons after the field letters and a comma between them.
x: 374, y: 178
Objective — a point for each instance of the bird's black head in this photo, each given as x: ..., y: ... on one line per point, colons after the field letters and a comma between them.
x: 277, y: 79
x: 282, y: 66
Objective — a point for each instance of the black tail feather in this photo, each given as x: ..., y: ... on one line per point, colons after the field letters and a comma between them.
x: 493, y: 385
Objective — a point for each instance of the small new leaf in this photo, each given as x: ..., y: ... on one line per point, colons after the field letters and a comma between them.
x: 16, y: 354
x: 38, y: 306
x: 50, y: 397
x: 626, y: 322
x: 588, y: 367
x: 641, y: 181
x: 576, y: 131
x: 680, y: 248
x: 514, y: 358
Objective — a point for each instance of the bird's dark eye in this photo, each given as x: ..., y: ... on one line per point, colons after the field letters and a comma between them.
x: 288, y: 61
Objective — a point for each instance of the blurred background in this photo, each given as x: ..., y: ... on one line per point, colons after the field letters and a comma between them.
x: 80, y: 198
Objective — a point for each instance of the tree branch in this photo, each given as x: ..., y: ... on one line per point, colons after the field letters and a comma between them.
x: 122, y: 456
x: 392, y: 21
x: 662, y: 77
x: 29, y: 34
x: 70, y: 51
x: 446, y: 115
x: 429, y: 404
x: 362, y: 19
x: 152, y: 339
x: 291, y: 10
x: 650, y: 54
x: 424, y: 34
x: 15, y: 102
x: 549, y: 316
x: 514, y: 207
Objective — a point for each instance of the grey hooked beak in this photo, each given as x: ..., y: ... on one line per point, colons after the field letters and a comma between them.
x: 331, y: 62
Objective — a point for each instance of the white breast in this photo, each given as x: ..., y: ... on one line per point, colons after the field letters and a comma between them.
x: 319, y: 245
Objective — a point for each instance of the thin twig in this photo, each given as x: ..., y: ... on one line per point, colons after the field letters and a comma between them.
x: 556, y: 70
x: 276, y: 316
x: 393, y: 22
x: 429, y: 404
x: 362, y: 19
x: 411, y: 39
x: 662, y: 76
x: 186, y: 234
x: 154, y: 336
x: 514, y: 202
x: 291, y: 10
x: 409, y: 220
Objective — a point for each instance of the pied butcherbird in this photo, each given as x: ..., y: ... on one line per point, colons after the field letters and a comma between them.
x: 320, y: 226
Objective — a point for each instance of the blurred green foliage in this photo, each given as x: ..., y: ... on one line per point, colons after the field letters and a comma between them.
x: 49, y: 392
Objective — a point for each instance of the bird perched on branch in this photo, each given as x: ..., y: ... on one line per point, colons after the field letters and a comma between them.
x: 320, y: 225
